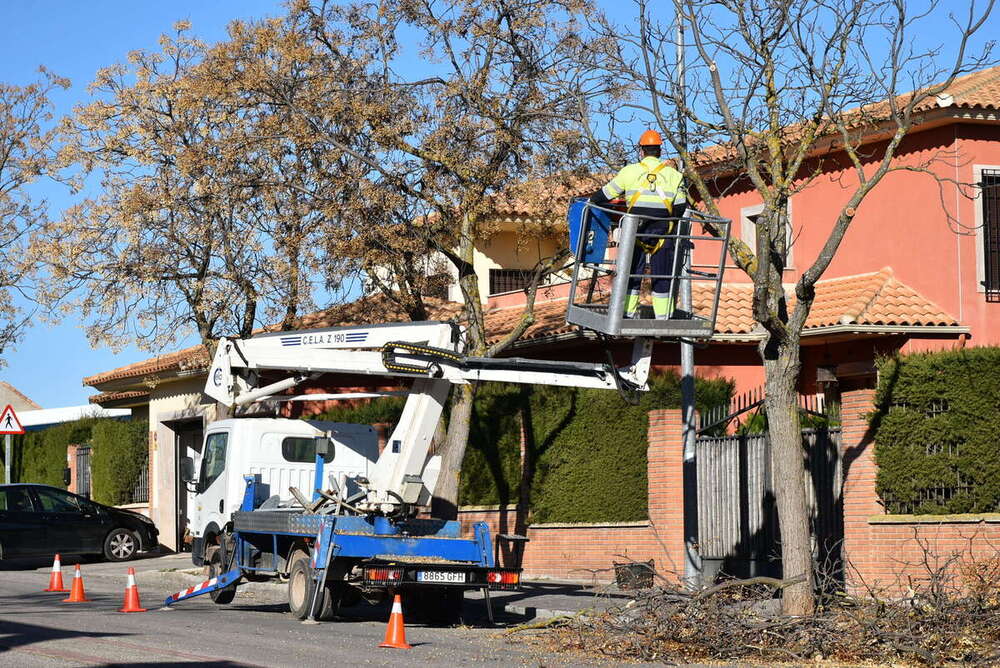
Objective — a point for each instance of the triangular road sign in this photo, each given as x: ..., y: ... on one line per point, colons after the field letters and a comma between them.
x: 9, y: 424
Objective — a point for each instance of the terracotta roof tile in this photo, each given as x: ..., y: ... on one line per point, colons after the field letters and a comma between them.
x: 540, y: 198
x: 878, y: 298
x: 976, y: 89
x: 364, y: 311
x: 979, y: 89
x: 195, y: 357
x: 544, y: 198
x: 107, y: 397
x: 372, y: 310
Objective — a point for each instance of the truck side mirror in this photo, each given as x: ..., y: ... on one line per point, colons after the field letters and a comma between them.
x: 323, y: 446
x: 187, y: 469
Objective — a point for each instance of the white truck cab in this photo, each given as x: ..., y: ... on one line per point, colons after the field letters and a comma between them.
x: 283, y: 452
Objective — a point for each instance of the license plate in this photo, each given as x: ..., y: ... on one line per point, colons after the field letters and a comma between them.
x: 440, y: 576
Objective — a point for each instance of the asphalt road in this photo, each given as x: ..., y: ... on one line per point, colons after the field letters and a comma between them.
x: 36, y: 629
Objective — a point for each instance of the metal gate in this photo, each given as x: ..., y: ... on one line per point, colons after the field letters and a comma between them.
x: 83, y: 470
x: 738, y: 532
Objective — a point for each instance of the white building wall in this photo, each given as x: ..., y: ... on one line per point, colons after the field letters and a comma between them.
x: 181, y: 400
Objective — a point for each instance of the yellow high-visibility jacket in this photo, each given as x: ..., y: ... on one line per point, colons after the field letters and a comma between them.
x: 650, y: 187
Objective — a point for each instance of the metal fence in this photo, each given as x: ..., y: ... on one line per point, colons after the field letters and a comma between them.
x: 718, y: 418
x: 738, y: 532
x: 140, y: 491
x: 83, y: 470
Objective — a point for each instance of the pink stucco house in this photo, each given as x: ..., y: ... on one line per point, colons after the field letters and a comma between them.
x: 919, y: 268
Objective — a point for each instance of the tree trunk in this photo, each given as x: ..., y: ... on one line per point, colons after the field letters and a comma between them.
x: 788, y: 469
x: 445, y: 503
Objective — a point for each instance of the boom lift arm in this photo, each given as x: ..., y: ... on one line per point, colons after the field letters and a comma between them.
x: 403, y: 478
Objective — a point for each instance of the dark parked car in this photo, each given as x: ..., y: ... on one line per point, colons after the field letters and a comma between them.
x: 38, y: 520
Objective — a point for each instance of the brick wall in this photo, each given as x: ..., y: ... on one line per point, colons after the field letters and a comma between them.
x: 586, y: 552
x: 886, y: 552
x: 881, y: 552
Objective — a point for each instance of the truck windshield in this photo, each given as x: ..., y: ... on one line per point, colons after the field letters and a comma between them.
x: 214, y: 461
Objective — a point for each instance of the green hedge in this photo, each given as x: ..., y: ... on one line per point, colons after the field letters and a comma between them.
x: 120, y: 453
x: 387, y: 409
x: 937, y: 432
x: 589, y: 448
x: 40, y: 456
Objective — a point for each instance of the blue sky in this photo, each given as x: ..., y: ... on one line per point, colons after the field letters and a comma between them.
x: 74, y: 39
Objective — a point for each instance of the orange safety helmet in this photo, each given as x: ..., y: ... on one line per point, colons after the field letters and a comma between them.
x: 650, y: 138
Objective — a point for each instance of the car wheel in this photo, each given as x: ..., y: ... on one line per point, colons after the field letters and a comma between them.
x: 120, y: 545
x: 215, y: 568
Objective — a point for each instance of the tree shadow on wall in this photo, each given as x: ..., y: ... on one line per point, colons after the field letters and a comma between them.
x: 757, y: 551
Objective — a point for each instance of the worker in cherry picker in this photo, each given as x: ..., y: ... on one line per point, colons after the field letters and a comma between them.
x: 654, y: 190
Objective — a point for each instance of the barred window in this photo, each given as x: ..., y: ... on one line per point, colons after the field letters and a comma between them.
x: 990, y: 202
x: 508, y: 280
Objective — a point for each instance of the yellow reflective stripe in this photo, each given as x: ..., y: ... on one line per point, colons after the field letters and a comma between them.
x: 612, y: 190
x: 650, y: 193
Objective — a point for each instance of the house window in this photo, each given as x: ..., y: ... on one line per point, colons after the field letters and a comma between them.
x: 989, y: 183
x: 508, y: 280
x: 748, y: 230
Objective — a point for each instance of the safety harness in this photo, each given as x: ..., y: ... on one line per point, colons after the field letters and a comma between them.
x: 650, y: 176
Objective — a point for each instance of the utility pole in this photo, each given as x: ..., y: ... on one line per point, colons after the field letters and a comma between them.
x: 692, y: 560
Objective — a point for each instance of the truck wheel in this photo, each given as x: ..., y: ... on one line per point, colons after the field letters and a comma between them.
x: 300, y: 590
x: 214, y: 561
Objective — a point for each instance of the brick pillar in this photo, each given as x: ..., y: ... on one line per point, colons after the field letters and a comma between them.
x: 71, y: 463
x: 860, y: 501
x: 665, y: 474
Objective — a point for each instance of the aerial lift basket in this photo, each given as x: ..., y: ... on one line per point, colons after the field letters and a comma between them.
x: 603, y: 240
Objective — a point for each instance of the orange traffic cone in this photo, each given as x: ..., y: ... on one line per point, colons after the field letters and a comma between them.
x: 55, y: 578
x: 131, y: 603
x: 77, y: 595
x: 395, y: 633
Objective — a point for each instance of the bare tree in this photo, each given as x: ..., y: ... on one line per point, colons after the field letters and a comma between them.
x: 27, y: 145
x: 199, y: 224
x: 436, y: 148
x: 772, y: 85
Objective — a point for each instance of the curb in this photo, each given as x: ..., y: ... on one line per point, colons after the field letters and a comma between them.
x: 531, y: 612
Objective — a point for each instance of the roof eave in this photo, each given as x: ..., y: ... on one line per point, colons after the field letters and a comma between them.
x: 752, y: 337
x: 120, y: 402
x: 927, y: 330
x: 143, y: 381
x: 928, y: 120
